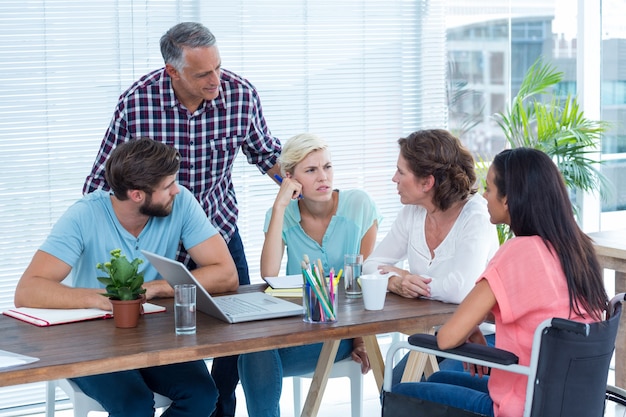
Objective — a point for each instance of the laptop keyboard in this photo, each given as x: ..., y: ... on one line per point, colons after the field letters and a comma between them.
x: 235, y: 306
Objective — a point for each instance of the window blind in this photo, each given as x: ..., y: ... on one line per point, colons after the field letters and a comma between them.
x: 63, y: 65
x: 360, y: 73
x: 351, y: 72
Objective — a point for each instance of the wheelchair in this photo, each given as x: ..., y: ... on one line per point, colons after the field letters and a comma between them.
x: 567, y: 374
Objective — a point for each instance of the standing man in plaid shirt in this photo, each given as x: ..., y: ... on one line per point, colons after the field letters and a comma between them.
x: 208, y: 114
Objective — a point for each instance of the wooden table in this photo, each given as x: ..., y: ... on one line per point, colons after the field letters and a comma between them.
x: 94, y: 347
x: 611, y: 249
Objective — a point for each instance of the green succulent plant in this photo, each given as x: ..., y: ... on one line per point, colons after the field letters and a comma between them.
x: 123, y: 281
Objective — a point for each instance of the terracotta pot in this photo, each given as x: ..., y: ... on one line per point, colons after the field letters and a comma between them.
x: 126, y: 313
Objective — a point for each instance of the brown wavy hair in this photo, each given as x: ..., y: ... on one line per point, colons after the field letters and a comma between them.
x: 438, y: 153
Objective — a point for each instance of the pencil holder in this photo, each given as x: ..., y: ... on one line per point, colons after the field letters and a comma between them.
x: 319, y: 304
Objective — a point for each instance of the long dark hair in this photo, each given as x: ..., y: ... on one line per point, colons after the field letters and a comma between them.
x: 539, y: 205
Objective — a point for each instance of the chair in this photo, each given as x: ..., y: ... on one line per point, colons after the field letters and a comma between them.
x: 344, y: 368
x: 81, y: 402
x: 567, y: 373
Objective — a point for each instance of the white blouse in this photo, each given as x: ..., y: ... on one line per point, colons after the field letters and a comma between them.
x: 458, y: 260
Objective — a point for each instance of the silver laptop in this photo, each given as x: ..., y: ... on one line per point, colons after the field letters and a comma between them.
x: 229, y: 308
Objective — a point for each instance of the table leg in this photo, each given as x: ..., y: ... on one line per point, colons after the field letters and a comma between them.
x: 320, y: 378
x: 419, y: 364
x: 376, y: 359
x: 620, y: 342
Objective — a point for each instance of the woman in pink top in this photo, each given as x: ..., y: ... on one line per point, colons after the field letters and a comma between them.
x: 548, y: 270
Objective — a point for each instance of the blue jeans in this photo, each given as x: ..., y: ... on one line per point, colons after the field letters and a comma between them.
x: 456, y: 389
x: 130, y: 393
x: 224, y: 370
x: 235, y: 246
x: 262, y: 373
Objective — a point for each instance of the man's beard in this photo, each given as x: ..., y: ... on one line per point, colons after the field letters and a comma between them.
x: 155, y: 210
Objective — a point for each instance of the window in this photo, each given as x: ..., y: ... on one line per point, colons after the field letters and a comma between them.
x: 613, y: 109
x: 496, y: 68
x: 353, y: 72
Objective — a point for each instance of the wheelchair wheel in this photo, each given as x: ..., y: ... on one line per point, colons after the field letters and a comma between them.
x: 615, y: 401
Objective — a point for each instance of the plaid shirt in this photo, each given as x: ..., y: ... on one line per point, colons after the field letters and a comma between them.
x: 208, y: 140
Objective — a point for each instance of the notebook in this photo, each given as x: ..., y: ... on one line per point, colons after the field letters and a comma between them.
x: 234, y: 308
x: 44, y: 317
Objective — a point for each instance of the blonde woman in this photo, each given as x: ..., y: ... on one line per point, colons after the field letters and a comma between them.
x: 308, y: 217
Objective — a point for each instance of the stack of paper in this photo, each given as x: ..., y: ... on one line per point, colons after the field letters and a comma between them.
x: 288, y: 286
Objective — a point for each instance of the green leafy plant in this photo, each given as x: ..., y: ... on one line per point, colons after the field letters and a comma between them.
x: 123, y: 281
x: 556, y: 126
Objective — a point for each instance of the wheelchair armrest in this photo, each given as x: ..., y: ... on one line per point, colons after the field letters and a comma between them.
x: 470, y: 350
x: 571, y: 326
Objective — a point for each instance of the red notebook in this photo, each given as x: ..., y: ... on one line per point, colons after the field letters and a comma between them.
x: 43, y: 317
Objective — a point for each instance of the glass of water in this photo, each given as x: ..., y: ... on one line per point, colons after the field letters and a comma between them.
x: 185, y: 308
x: 352, y: 266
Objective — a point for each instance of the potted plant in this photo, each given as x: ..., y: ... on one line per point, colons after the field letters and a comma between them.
x: 556, y: 126
x: 123, y: 287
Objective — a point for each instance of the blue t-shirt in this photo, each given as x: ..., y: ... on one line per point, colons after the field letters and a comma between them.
x: 356, y: 213
x: 87, y: 232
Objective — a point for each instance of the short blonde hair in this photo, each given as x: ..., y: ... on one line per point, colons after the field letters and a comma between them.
x: 297, y: 148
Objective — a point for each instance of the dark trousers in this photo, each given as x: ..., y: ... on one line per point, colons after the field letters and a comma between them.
x: 224, y: 370
x: 129, y: 393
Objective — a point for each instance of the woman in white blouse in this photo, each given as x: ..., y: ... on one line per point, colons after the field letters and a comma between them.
x: 443, y: 230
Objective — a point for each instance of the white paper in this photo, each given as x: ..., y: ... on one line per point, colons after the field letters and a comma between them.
x: 286, y: 281
x: 9, y: 359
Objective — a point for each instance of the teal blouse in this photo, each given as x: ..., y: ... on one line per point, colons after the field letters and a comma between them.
x: 356, y: 213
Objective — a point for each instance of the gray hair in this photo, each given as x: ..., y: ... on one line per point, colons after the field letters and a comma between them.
x: 297, y: 148
x: 184, y: 35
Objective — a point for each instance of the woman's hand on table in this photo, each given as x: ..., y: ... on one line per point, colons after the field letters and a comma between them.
x: 406, y: 284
